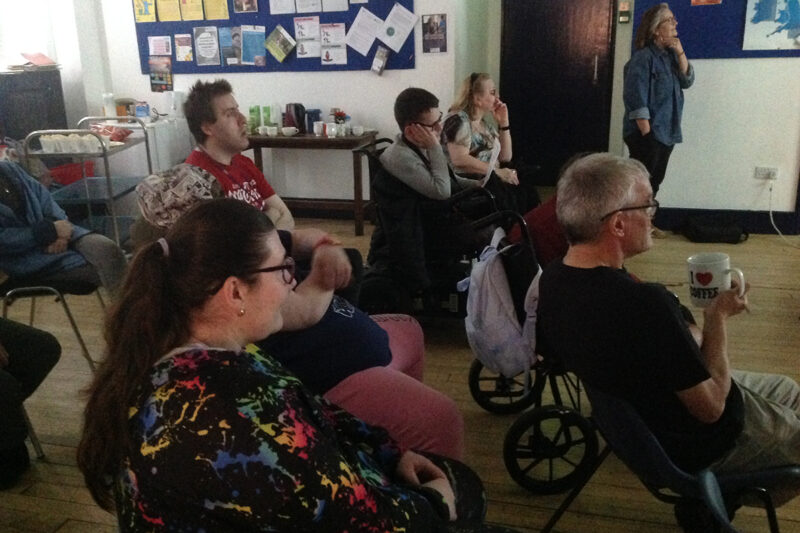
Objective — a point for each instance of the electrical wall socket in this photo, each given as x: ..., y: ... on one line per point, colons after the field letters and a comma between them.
x: 766, y: 173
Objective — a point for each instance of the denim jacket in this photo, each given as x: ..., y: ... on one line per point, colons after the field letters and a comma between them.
x: 23, y: 239
x: 653, y: 89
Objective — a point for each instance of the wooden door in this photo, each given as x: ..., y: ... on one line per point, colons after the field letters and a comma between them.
x: 556, y: 77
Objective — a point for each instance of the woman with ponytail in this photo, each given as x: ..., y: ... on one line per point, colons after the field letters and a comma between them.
x: 186, y: 430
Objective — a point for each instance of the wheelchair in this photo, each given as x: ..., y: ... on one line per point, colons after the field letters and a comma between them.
x: 549, y: 448
x: 420, y: 248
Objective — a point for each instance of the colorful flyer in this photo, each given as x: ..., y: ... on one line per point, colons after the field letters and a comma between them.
x: 192, y: 10
x: 160, y: 74
x: 183, y: 47
x: 333, y: 49
x: 168, y: 10
x: 144, y: 10
x: 434, y: 34
x: 229, y: 53
x: 280, y: 43
x: 216, y: 9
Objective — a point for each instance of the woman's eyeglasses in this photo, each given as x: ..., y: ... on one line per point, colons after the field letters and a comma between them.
x: 651, y: 209
x: 432, y: 125
x: 287, y: 268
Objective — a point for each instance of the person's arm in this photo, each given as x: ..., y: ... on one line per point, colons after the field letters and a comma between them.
x: 683, y: 62
x: 467, y: 164
x: 706, y: 400
x: 402, y: 163
x: 277, y: 211
x: 636, y: 89
x: 500, y: 113
x: 330, y: 270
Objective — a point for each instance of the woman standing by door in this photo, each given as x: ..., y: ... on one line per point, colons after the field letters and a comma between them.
x: 654, y: 80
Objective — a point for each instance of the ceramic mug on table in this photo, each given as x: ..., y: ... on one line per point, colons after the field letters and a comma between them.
x: 319, y: 128
x: 331, y: 129
x: 358, y: 130
x: 272, y: 131
x: 263, y: 130
x: 709, y: 274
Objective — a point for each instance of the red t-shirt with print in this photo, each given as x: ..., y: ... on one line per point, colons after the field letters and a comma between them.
x: 241, y: 179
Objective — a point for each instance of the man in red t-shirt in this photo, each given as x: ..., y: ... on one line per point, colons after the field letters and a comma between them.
x: 221, y: 133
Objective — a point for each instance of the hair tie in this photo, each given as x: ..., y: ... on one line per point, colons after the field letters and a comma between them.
x: 164, y: 246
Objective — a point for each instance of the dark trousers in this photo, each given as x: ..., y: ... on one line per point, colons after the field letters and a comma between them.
x: 653, y: 155
x: 32, y: 353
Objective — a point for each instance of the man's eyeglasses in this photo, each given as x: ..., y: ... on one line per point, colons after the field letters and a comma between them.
x: 651, y: 209
x: 432, y: 126
x: 287, y: 268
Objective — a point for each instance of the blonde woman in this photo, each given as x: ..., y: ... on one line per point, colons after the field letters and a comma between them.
x: 478, y: 121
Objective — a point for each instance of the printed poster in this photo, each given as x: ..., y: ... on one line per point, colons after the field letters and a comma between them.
x: 245, y: 6
x: 281, y: 7
x: 333, y: 43
x: 309, y: 6
x: 168, y: 10
x: 183, y: 47
x: 397, y: 27
x: 216, y: 9
x: 363, y: 31
x: 253, y: 45
x: 192, y: 10
x: 772, y: 25
x: 206, y: 45
x: 159, y: 45
x: 229, y: 53
x: 280, y: 43
x: 335, y: 5
x: 144, y: 10
x: 306, y: 31
x: 434, y: 34
x: 160, y: 74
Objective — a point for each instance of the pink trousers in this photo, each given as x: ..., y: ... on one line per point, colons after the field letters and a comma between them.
x: 394, y: 397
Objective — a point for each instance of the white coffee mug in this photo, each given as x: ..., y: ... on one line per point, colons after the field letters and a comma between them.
x: 319, y: 128
x: 262, y: 130
x: 331, y: 129
x: 358, y: 130
x: 272, y: 131
x: 709, y: 274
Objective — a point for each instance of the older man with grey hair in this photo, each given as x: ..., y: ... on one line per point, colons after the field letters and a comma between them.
x: 632, y: 339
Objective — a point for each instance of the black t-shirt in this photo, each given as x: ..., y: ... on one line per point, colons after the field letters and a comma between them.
x: 630, y: 339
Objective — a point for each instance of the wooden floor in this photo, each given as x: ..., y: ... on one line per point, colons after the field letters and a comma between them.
x: 51, y: 497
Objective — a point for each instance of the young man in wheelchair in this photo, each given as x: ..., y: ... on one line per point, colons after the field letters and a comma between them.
x: 422, y: 217
x: 630, y: 339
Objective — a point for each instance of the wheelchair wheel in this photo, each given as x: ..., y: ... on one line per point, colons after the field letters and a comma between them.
x: 497, y: 393
x: 549, y: 449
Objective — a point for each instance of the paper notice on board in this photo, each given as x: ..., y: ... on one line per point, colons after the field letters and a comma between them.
x: 492, y: 163
x: 253, y: 52
x: 217, y: 9
x: 333, y: 40
x: 306, y: 31
x: 192, y: 10
x: 335, y: 5
x: 206, y: 44
x: 280, y: 43
x: 168, y: 10
x: 397, y: 27
x: 309, y: 6
x: 159, y: 45
x: 183, y: 47
x: 144, y: 11
x: 230, y: 52
x: 281, y: 7
x: 363, y: 31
